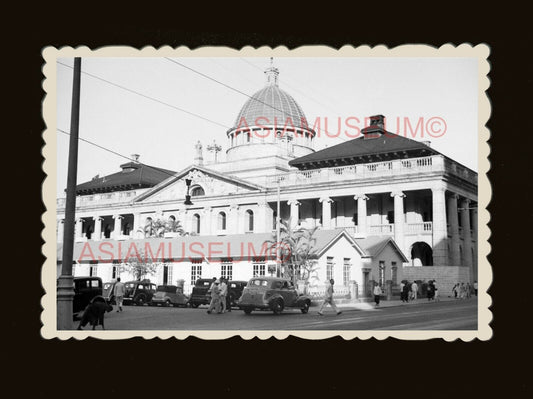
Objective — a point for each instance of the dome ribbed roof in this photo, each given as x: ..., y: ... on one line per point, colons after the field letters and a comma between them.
x: 270, y: 106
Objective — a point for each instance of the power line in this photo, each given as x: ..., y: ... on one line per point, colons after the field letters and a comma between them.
x: 117, y: 153
x: 148, y: 97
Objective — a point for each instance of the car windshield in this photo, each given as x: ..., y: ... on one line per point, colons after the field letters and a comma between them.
x: 107, y: 286
x: 259, y: 283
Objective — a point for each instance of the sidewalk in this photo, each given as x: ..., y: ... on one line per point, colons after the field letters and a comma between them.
x: 369, y: 305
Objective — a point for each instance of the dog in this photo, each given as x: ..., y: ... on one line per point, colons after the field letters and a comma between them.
x: 94, y: 313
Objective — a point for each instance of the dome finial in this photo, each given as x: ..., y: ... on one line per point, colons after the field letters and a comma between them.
x: 272, y: 74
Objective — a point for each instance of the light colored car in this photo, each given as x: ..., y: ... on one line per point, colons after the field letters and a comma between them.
x: 169, y: 295
x: 272, y: 293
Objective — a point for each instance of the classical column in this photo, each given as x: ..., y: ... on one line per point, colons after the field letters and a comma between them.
x: 361, y: 212
x: 467, y: 237
x: 79, y: 229
x: 97, y: 228
x: 60, y: 229
x: 454, y: 230
x: 326, y: 212
x: 264, y: 218
x: 295, y: 215
x: 117, y: 229
x: 399, y: 219
x: 232, y: 220
x: 440, y: 228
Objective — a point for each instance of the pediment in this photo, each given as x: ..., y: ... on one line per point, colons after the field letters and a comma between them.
x: 213, y: 183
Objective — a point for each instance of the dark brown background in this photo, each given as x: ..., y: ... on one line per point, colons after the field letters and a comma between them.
x: 369, y: 369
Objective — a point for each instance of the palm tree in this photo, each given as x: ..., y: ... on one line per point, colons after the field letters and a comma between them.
x: 159, y: 227
x: 296, y: 250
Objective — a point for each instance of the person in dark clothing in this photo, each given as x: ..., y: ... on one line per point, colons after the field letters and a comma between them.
x: 430, y: 290
x: 406, y: 289
x: 94, y: 313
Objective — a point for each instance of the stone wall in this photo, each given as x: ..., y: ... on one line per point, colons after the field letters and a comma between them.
x: 445, y: 276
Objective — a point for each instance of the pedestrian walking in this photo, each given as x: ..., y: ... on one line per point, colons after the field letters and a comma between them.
x: 118, y: 291
x: 223, y: 295
x: 377, y: 293
x: 328, y: 299
x: 462, y: 291
x: 414, y: 291
x: 94, y: 313
x: 468, y: 289
x: 402, y: 296
x: 430, y: 290
x: 406, y: 291
x: 475, y: 287
x: 435, y: 292
x: 455, y: 290
x: 215, y: 297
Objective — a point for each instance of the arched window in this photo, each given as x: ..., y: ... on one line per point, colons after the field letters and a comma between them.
x: 222, y: 221
x: 197, y: 191
x: 249, y: 220
x: 196, y: 223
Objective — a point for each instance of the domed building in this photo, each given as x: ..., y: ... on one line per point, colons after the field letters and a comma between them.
x: 270, y: 130
x: 385, y: 207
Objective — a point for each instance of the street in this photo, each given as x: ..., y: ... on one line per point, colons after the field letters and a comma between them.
x: 444, y: 315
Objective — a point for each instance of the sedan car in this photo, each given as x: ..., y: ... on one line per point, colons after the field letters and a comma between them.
x: 272, y: 293
x: 169, y: 295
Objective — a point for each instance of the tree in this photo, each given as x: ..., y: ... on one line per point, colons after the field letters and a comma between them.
x: 140, y: 266
x: 297, y: 253
x: 159, y: 227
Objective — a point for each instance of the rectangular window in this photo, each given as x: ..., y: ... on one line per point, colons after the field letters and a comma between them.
x: 394, y: 273
x: 259, y: 268
x: 329, y: 268
x: 92, y: 271
x: 346, y: 272
x: 196, y: 270
x: 226, y: 269
x: 115, y: 272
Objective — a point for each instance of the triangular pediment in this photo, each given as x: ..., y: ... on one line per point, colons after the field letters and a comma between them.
x: 213, y: 183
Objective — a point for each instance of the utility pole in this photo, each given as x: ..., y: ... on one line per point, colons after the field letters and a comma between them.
x: 65, y: 283
x: 278, y: 221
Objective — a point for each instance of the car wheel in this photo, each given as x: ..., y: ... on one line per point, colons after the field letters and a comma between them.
x: 247, y: 310
x: 305, y: 308
x: 277, y: 306
x: 140, y: 299
x: 168, y: 303
x: 195, y: 305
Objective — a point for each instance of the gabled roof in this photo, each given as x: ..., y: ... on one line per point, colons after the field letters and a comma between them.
x: 363, y: 150
x: 179, y: 175
x: 133, y: 175
x: 374, y: 245
x: 325, y: 239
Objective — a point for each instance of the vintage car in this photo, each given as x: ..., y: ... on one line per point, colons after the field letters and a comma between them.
x: 235, y: 289
x: 139, y: 292
x: 200, y: 294
x: 108, y: 290
x: 169, y: 295
x: 85, y: 289
x: 272, y: 293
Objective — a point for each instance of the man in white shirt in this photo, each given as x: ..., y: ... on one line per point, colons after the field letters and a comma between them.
x: 223, y: 294
x: 377, y: 294
x: 118, y: 291
x: 414, y: 290
x: 328, y: 298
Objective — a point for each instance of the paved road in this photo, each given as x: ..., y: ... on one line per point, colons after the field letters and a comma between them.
x: 450, y: 315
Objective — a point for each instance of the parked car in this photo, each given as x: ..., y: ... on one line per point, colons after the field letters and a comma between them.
x: 272, y: 293
x: 169, y: 295
x: 85, y: 289
x: 235, y: 288
x: 108, y: 292
x: 199, y: 294
x: 139, y: 292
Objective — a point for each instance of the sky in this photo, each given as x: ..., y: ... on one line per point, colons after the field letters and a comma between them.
x: 159, y: 109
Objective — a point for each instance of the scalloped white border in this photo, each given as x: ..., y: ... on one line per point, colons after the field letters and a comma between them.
x: 48, y: 301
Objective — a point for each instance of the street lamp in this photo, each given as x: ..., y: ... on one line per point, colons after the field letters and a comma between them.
x: 187, y: 196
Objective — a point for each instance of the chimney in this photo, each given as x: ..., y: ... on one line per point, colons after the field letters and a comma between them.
x: 198, y: 157
x: 376, y: 127
x: 135, y: 158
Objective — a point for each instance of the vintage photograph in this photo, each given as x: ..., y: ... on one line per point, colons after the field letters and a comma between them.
x: 265, y: 192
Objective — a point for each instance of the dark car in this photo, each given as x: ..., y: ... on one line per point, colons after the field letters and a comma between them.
x: 108, y: 292
x: 139, y: 292
x: 169, y: 295
x: 235, y: 288
x: 85, y: 289
x: 272, y: 293
x: 200, y: 294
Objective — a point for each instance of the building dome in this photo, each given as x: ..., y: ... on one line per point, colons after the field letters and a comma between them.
x: 271, y: 106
